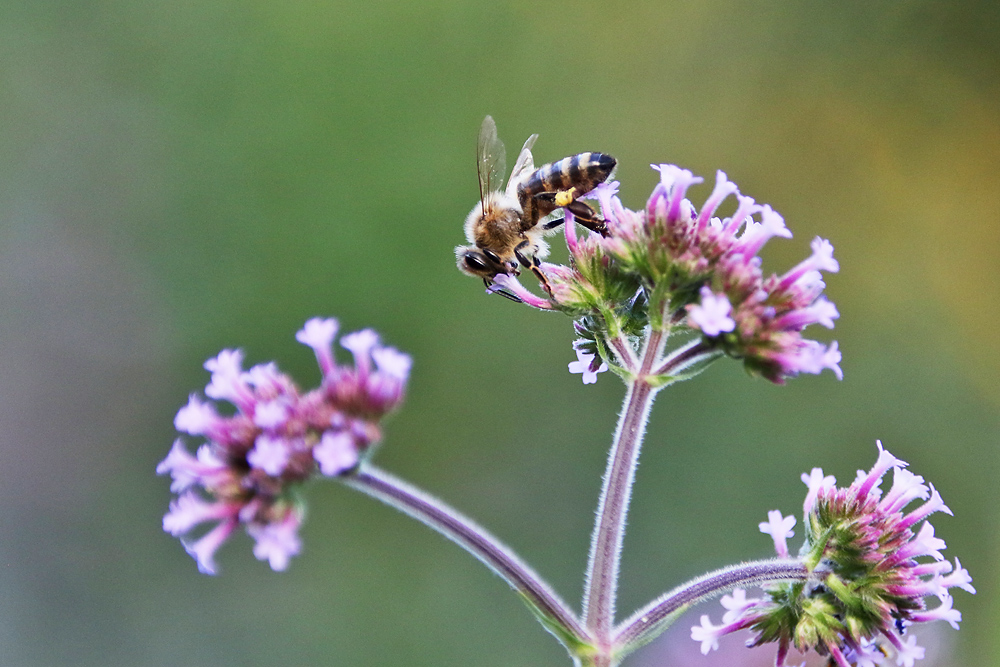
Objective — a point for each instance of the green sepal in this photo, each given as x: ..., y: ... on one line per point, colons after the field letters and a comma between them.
x: 696, y: 369
x: 649, y: 634
x: 577, y: 646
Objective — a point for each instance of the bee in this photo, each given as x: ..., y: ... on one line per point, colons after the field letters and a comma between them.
x: 506, y: 227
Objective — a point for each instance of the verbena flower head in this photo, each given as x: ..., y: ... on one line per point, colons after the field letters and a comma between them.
x: 875, y: 567
x: 277, y: 436
x: 687, y: 269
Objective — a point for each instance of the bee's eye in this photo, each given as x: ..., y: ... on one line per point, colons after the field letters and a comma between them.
x: 492, y: 256
x: 473, y: 263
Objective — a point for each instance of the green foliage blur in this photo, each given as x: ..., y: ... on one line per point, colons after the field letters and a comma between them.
x: 179, y: 177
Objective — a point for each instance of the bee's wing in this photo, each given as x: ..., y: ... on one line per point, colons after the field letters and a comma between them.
x: 492, y: 159
x: 524, y: 166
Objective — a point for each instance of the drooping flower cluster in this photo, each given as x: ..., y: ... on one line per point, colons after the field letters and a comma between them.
x: 687, y: 266
x: 248, y: 470
x: 868, y: 583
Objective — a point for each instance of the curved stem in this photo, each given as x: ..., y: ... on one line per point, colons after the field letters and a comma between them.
x: 555, y: 614
x: 683, y: 358
x: 649, y: 621
x: 624, y: 351
x: 605, y: 547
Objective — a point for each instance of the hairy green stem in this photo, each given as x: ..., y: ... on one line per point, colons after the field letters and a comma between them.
x: 605, y: 549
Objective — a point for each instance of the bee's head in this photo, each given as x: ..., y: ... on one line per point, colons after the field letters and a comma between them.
x: 479, y: 262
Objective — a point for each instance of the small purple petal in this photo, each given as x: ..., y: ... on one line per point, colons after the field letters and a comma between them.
x: 943, y: 612
x: 747, y: 207
x: 736, y: 604
x: 908, y: 652
x: 707, y: 634
x: 882, y: 465
x: 228, y: 363
x: 584, y: 365
x: 360, y: 344
x: 180, y: 464
x: 906, y: 487
x: 924, y: 544
x: 816, y: 483
x: 822, y: 311
x: 959, y: 578
x: 821, y: 260
x: 203, y: 551
x: 277, y: 542
x: 392, y: 362
x: 934, y: 504
x: 186, y: 470
x: 227, y: 377
x: 723, y: 188
x: 711, y: 316
x: 336, y: 453
x: 868, y: 654
x: 196, y: 418
x: 780, y: 529
x: 269, y: 454
x: 512, y: 285
x: 188, y: 510
x: 265, y: 377
x: 605, y: 193
x: 270, y: 414
x: 319, y: 334
x: 757, y: 234
x: 676, y: 181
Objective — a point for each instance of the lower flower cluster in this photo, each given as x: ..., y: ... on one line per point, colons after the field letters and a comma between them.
x: 868, y: 585
x: 247, y: 471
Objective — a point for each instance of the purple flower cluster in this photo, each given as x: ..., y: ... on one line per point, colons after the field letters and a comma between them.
x: 749, y: 316
x: 247, y: 471
x: 870, y: 586
x: 701, y: 270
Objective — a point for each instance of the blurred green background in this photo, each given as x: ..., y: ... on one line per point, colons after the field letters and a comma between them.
x: 179, y: 177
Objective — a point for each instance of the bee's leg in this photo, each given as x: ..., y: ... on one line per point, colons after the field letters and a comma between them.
x: 587, y: 217
x: 582, y: 212
x: 544, y: 203
x: 526, y: 262
x: 552, y: 224
x: 507, y: 295
x: 501, y: 292
x: 533, y: 264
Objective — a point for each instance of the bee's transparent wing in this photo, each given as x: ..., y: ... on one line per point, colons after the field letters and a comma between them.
x: 492, y: 159
x: 524, y: 166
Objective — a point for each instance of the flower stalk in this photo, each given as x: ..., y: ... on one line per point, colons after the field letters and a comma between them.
x: 606, y: 544
x: 648, y: 622
x: 554, y: 614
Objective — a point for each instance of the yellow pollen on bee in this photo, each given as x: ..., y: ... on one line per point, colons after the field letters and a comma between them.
x: 565, y: 197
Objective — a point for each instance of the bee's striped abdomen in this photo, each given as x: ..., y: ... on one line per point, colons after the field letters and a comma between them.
x: 584, y: 172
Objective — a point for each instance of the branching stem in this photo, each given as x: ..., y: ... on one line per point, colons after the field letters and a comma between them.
x: 644, y: 624
x: 555, y: 614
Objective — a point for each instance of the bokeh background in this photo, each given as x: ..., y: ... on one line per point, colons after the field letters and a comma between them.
x: 179, y: 177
